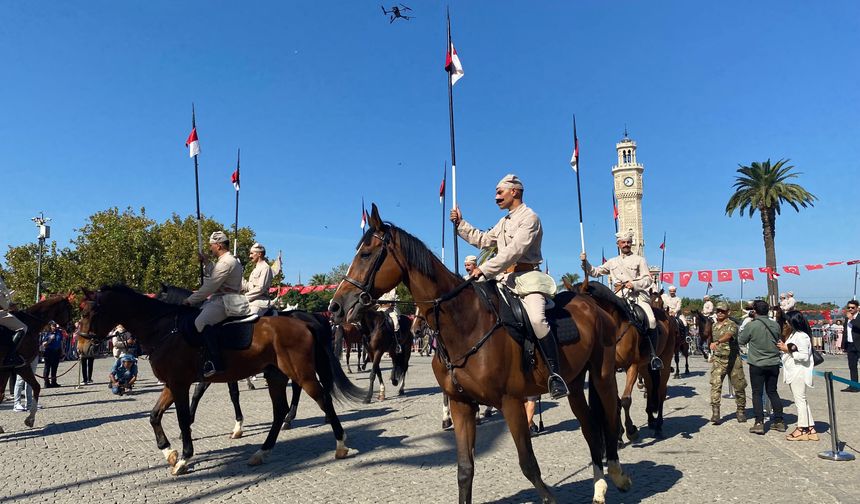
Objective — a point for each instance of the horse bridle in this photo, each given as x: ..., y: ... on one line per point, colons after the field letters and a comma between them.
x: 365, y: 297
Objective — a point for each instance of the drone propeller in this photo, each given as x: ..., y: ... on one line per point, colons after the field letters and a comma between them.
x: 383, y: 9
x: 405, y: 7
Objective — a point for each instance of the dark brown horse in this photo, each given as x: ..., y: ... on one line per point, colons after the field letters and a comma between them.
x: 37, y: 316
x: 283, y: 348
x: 705, y: 326
x: 383, y: 339
x: 345, y: 337
x: 479, y: 362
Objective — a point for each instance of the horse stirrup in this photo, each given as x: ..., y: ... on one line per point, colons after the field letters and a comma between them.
x: 656, y: 363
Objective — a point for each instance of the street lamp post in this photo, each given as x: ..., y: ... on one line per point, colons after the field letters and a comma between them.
x: 44, y: 233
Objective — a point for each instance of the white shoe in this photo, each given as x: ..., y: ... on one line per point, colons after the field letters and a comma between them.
x: 19, y: 408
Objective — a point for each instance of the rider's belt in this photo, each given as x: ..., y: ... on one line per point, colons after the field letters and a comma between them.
x: 520, y: 267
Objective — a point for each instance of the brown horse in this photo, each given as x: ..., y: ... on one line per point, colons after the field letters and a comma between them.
x: 283, y: 348
x: 705, y: 326
x: 37, y: 316
x: 477, y: 361
x: 383, y: 339
x: 345, y: 336
x: 633, y: 354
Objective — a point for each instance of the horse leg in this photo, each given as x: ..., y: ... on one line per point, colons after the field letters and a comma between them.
x: 183, y: 416
x: 402, y: 384
x: 677, y: 364
x: 294, y: 405
x: 233, y: 387
x: 348, y: 369
x: 278, y: 394
x: 164, y: 401
x: 199, y: 390
x: 446, y: 412
x: 250, y: 383
x: 381, y: 396
x: 687, y: 362
x: 626, y: 401
x: 323, y: 399
x: 372, y: 378
x: 580, y: 409
x: 602, y: 397
x: 463, y: 414
x: 26, y: 373
x: 515, y: 415
x: 660, y: 400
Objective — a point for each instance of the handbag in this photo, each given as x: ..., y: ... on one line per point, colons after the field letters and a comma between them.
x: 817, y: 358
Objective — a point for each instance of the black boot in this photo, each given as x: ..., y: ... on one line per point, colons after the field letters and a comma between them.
x: 212, y: 354
x: 13, y: 359
x: 652, y: 335
x: 549, y: 348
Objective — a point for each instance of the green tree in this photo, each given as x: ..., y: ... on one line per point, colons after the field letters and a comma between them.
x: 572, y: 278
x: 337, y: 274
x: 60, y: 271
x: 318, y: 279
x: 765, y: 188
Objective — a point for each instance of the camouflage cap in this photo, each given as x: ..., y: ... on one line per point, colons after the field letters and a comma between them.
x: 723, y: 306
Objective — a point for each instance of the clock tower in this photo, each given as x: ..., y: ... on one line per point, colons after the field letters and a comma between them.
x: 627, y: 175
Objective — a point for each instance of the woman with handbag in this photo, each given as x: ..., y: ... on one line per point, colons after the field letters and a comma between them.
x: 797, y: 361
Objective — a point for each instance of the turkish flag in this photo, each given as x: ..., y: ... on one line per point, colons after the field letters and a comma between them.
x: 811, y: 267
x: 770, y: 273
x: 706, y: 276
x: 746, y: 274
x: 794, y: 270
x: 724, y: 275
x: 853, y: 262
x: 836, y: 263
x: 667, y: 277
x: 685, y: 277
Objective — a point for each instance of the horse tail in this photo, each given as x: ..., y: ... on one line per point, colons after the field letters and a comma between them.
x: 332, y: 377
x: 597, y: 413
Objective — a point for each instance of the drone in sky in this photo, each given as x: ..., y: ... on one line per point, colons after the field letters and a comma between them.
x: 396, y: 12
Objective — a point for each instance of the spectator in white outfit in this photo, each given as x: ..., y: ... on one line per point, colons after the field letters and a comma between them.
x: 797, y: 373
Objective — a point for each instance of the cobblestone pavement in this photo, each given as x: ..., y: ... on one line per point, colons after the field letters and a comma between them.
x: 89, y: 446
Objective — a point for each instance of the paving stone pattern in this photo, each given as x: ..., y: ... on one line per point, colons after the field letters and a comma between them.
x: 89, y: 446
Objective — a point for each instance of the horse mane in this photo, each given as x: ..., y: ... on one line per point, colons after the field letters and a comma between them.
x: 599, y: 291
x: 416, y: 254
x: 141, y: 297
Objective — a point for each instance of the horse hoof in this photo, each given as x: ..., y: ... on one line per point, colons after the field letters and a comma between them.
x: 341, y: 453
x: 658, y: 433
x: 287, y: 426
x: 181, y: 467
x: 621, y: 480
x: 29, y: 421
x: 677, y: 376
x: 257, y: 458
x: 2, y: 431
x: 632, y: 434
x: 251, y: 386
x: 600, y: 488
x: 381, y: 397
x: 447, y: 424
x: 367, y: 400
x: 236, y: 435
x: 172, y: 457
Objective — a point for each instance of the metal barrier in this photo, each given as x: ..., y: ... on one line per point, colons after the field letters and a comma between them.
x: 834, y: 453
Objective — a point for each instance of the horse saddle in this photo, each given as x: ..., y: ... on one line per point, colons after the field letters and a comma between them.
x: 233, y: 333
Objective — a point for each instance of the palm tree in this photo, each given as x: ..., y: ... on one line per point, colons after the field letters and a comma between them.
x: 765, y: 187
x: 318, y: 279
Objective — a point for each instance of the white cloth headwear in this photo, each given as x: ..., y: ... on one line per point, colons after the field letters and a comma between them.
x: 218, y: 237
x: 624, y: 235
x: 790, y: 294
x: 510, y: 181
x: 672, y: 288
x: 471, y: 259
x: 256, y: 247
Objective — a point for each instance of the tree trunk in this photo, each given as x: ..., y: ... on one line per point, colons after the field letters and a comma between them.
x: 768, y: 226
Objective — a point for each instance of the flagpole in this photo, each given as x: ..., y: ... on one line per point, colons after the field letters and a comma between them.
x: 444, y: 191
x: 662, y: 261
x: 453, y: 148
x: 742, y: 293
x: 197, y: 195
x: 615, y: 215
x: 236, y: 222
x: 854, y: 297
x: 578, y: 193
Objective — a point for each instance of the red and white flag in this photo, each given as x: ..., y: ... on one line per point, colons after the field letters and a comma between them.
x: 746, y: 274
x: 724, y: 275
x: 685, y: 277
x: 235, y: 179
x: 574, y: 159
x: 770, y: 273
x: 192, y: 143
x: 810, y: 267
x: 667, y: 277
x: 853, y: 262
x: 706, y: 276
x: 442, y: 191
x: 453, y: 65
x: 794, y: 270
x: 835, y: 263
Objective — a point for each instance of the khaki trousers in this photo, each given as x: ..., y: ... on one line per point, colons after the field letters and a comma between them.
x: 259, y: 306
x: 211, y: 313
x: 534, y: 304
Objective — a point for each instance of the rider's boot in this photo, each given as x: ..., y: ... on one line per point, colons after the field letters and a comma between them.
x: 212, y: 353
x: 652, y: 335
x: 13, y: 358
x: 549, y: 348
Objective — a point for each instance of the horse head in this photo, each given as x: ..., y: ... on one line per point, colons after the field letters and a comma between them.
x: 375, y: 269
x: 171, y: 294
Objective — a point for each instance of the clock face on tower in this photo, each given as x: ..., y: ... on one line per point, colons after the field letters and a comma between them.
x: 628, y: 181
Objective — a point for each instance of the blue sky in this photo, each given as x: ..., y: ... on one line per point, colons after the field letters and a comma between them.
x: 329, y: 102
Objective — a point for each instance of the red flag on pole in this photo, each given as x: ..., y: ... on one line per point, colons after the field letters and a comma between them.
x: 663, y: 246
x: 192, y: 143
x: 685, y: 277
x: 746, y: 274
x: 453, y: 65
x: 574, y: 159
x: 794, y: 270
x: 810, y: 267
x: 667, y: 277
x: 235, y: 179
x: 853, y: 262
x: 614, y: 208
x: 724, y: 275
x: 706, y: 276
x: 442, y: 190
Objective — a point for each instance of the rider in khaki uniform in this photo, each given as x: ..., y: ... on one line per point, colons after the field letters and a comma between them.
x: 11, y: 322
x: 256, y: 287
x: 222, y: 284
x: 673, y: 305
x: 391, y: 309
x: 632, y: 280
x: 708, y: 307
x: 518, y: 237
x: 727, y: 361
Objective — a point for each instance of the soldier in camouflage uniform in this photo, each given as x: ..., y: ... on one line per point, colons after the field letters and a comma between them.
x: 727, y: 361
